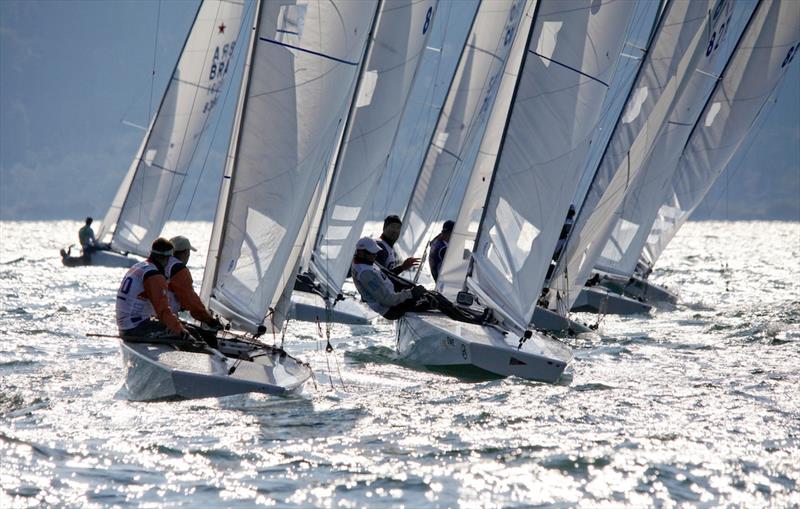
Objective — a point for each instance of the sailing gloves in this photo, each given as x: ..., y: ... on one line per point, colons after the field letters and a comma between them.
x: 418, y: 291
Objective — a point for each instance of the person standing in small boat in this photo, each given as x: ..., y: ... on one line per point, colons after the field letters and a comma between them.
x: 181, y: 294
x: 377, y: 290
x: 439, y: 248
x: 387, y: 256
x: 142, y: 309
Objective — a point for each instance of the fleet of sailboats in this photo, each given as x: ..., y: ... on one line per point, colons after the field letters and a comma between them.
x: 326, y: 87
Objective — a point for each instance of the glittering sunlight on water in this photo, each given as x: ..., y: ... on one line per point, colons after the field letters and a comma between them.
x: 695, y: 406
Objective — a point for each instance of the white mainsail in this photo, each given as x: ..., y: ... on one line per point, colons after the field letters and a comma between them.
x: 302, y: 71
x: 149, y: 190
x: 755, y: 71
x: 399, y: 42
x: 571, y: 57
x: 644, y: 196
x: 463, y: 118
x: 676, y: 47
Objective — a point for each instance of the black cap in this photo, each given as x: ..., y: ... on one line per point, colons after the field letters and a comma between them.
x: 162, y: 247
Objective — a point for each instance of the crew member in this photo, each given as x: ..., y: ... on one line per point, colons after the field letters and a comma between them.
x: 387, y: 256
x: 142, y: 306
x: 377, y: 290
x: 181, y: 294
x: 86, y: 238
x: 439, y: 248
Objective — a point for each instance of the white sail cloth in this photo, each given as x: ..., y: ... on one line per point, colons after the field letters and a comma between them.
x: 145, y: 199
x: 676, y: 46
x: 453, y: 272
x: 399, y: 42
x: 570, y: 60
x: 462, y: 120
x: 646, y: 193
x: 303, y: 69
x: 755, y: 71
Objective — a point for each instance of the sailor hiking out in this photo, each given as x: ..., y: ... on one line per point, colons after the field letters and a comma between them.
x: 392, y: 296
x: 377, y: 290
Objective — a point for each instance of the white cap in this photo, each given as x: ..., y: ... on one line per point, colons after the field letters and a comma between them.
x: 367, y: 244
x: 181, y: 243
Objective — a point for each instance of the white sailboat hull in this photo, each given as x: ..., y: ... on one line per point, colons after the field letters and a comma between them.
x: 603, y: 301
x: 158, y: 371
x: 99, y: 259
x: 439, y: 343
x: 309, y: 307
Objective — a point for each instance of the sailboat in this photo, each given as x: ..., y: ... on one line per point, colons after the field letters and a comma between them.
x: 399, y: 41
x: 669, y: 91
x: 756, y: 69
x: 509, y: 223
x: 302, y: 67
x: 147, y: 194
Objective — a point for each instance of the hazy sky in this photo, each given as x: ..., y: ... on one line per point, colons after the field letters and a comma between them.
x: 71, y: 72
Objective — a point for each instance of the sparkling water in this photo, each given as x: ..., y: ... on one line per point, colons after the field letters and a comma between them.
x: 696, y: 406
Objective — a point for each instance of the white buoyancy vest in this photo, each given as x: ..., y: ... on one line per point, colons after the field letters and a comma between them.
x: 391, y: 259
x: 356, y: 270
x: 132, y: 306
x: 174, y: 305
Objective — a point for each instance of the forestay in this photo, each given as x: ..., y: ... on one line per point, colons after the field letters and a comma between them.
x: 570, y: 59
x: 462, y: 119
x: 646, y: 193
x: 677, y: 42
x: 303, y: 69
x: 400, y: 39
x: 145, y: 199
x: 755, y: 71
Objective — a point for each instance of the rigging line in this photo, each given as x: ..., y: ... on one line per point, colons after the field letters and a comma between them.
x: 312, y: 52
x: 155, y: 51
x: 569, y: 67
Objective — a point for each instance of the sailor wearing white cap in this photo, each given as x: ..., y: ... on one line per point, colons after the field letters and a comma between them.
x: 377, y: 290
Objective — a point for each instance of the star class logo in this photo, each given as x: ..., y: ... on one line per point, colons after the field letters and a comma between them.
x: 221, y: 28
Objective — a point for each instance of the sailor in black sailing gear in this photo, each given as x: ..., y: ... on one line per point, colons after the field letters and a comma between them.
x: 387, y: 256
x: 439, y: 248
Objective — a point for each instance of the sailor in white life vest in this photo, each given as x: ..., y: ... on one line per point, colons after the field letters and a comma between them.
x: 387, y: 256
x: 377, y: 290
x: 142, y: 306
